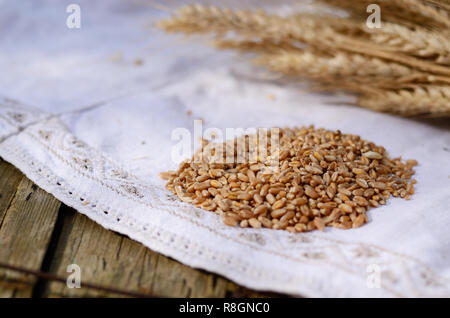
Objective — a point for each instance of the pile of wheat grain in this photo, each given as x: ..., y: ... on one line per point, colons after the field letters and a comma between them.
x: 324, y: 178
x: 402, y: 67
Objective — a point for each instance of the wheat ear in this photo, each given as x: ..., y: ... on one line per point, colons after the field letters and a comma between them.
x: 344, y: 70
x: 201, y: 19
x: 340, y: 64
x: 418, y: 42
x: 427, y: 100
x: 248, y: 24
x: 407, y: 12
x: 440, y: 4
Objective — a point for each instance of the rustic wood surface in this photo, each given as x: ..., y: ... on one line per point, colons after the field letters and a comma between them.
x: 39, y: 233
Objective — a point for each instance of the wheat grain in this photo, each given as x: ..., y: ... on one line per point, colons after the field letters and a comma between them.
x: 325, y: 178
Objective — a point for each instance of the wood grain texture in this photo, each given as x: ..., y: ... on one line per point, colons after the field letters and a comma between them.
x: 109, y: 259
x: 24, y: 236
x: 10, y: 178
x: 37, y: 232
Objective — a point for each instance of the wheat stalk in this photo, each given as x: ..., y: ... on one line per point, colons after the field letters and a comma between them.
x: 398, y: 61
x: 440, y: 4
x: 420, y: 9
x: 340, y: 64
x: 344, y: 71
x: 418, y: 42
x: 284, y: 58
x: 399, y: 11
x: 422, y: 100
x: 201, y: 19
x: 248, y: 24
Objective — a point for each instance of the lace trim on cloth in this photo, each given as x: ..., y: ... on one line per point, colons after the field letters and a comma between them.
x: 97, y: 186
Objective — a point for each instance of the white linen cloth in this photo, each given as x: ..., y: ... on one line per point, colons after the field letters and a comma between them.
x: 88, y: 113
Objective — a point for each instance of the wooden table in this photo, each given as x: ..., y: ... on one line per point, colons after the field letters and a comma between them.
x: 39, y: 233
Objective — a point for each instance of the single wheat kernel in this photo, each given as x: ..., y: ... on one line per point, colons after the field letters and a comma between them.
x: 202, y: 178
x: 286, y: 217
x: 360, y: 220
x: 254, y: 223
x: 244, y: 196
x: 372, y: 155
x: 318, y: 222
x: 278, y: 213
x: 165, y: 175
x: 245, y: 214
x: 310, y: 192
x: 242, y: 177
x: 244, y: 223
x: 379, y: 185
x: 278, y: 204
x: 265, y: 221
x: 201, y: 185
x: 361, y: 201
x: 260, y: 209
x: 215, y: 184
x: 361, y: 182
x: 270, y: 198
x: 346, y: 208
x: 358, y: 171
x: 230, y: 221
x: 300, y: 227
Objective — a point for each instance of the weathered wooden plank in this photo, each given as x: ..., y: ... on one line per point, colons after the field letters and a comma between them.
x: 10, y: 178
x: 24, y: 237
x: 109, y: 259
x: 27, y: 220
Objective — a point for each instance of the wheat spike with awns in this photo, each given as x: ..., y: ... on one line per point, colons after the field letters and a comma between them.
x: 401, y: 68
